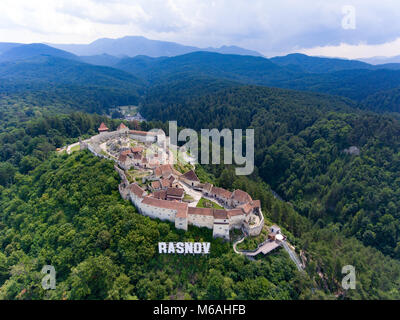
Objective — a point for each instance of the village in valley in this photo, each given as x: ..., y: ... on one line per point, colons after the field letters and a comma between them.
x: 146, y: 162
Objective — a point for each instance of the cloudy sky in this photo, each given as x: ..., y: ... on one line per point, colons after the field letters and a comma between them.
x: 272, y: 27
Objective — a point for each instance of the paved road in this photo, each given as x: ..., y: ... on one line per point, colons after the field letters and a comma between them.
x: 293, y: 256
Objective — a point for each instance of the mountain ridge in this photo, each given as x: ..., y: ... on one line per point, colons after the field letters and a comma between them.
x: 132, y: 46
x: 26, y: 51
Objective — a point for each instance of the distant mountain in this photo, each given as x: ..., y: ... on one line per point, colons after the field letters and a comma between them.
x: 38, y: 63
x: 390, y: 66
x: 233, y: 50
x: 53, y: 81
x: 356, y: 84
x: 318, y: 65
x: 4, y: 46
x: 27, y: 51
x: 133, y: 46
x: 245, y: 69
x: 49, y: 69
x: 381, y: 60
x: 100, y: 60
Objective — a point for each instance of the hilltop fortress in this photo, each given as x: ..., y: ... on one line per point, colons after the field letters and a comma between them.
x: 145, y: 163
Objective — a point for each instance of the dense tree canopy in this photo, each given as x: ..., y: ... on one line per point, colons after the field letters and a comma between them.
x: 301, y: 143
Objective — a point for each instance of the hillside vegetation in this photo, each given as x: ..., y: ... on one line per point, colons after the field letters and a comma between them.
x: 338, y: 209
x: 68, y: 213
x: 300, y: 144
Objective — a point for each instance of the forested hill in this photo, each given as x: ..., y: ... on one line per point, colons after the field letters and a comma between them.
x: 41, y: 68
x: 66, y: 211
x: 351, y: 79
x: 64, y: 85
x: 319, y: 65
x: 341, y: 207
x: 54, y: 70
x: 238, y: 106
x: 32, y: 50
x: 245, y: 69
x: 383, y: 101
x: 300, y: 151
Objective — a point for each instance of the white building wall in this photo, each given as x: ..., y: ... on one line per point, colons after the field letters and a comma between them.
x: 136, y: 201
x: 201, y: 221
x: 237, y: 221
x: 158, y: 213
x: 190, y: 182
x: 181, y: 223
x: 221, y: 231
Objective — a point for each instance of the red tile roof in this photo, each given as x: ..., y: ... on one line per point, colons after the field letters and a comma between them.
x: 122, y: 127
x: 122, y: 158
x: 257, y: 204
x: 103, y: 127
x: 220, y: 214
x: 235, y: 212
x: 156, y: 185
x: 201, y: 211
x: 241, y: 196
x: 162, y: 195
x: 175, y: 192
x: 164, y: 170
x: 225, y: 194
x: 142, y: 133
x: 137, y: 150
x: 181, y: 208
x: 247, y: 207
x: 191, y: 175
x: 136, y: 190
x: 165, y: 183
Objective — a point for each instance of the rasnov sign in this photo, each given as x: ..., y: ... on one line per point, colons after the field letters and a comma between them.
x: 184, y: 247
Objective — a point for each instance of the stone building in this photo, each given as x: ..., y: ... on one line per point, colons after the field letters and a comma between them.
x: 190, y: 178
x: 166, y: 201
x: 222, y: 195
x: 103, y: 128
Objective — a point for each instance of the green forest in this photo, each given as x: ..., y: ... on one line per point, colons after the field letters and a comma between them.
x: 68, y: 213
x: 338, y: 207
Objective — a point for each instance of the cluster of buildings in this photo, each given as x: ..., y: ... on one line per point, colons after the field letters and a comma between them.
x: 241, y: 211
x: 163, y: 194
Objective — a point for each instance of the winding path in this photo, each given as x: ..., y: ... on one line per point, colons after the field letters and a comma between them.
x: 293, y: 256
x: 265, y: 248
x: 268, y: 246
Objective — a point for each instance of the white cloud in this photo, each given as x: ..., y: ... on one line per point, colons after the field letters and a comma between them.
x: 361, y: 50
x: 271, y: 27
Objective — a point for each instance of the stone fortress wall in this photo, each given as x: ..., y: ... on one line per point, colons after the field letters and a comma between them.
x: 241, y: 211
